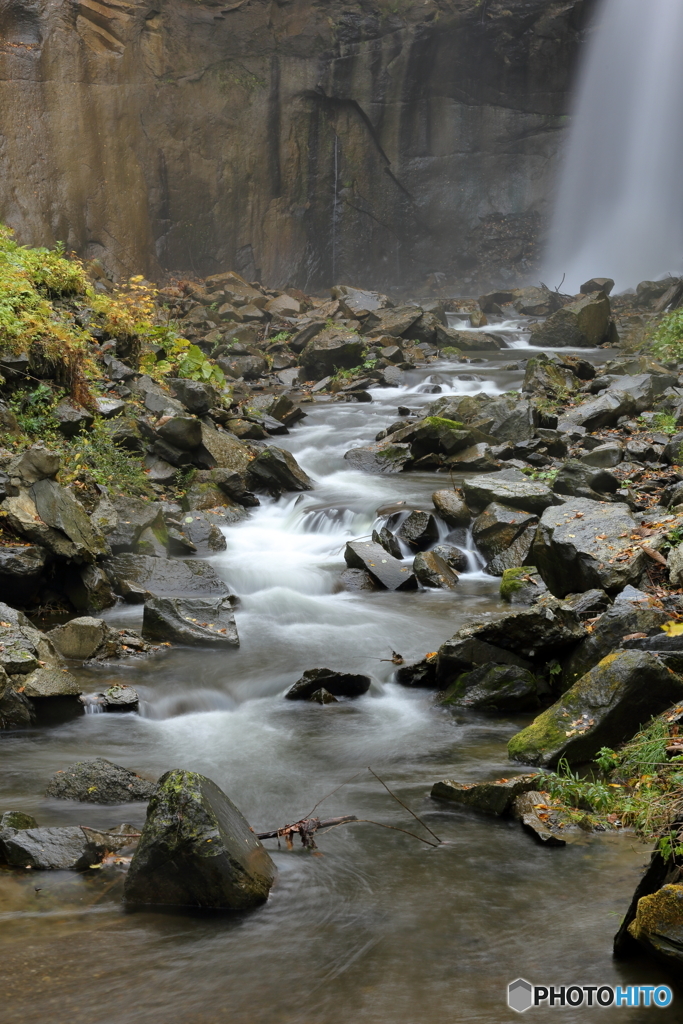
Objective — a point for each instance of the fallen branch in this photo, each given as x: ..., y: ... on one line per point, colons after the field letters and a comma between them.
x: 305, y: 829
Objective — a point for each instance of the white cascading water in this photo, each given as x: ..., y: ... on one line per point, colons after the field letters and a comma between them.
x: 619, y: 207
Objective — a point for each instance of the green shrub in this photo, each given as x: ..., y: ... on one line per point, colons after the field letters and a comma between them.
x: 667, y: 341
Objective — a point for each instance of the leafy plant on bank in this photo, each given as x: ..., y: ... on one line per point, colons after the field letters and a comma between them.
x: 667, y: 341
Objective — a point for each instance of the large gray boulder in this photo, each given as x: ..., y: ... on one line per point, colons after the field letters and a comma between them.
x: 497, y: 527
x: 193, y: 621
x: 357, y: 302
x: 488, y: 797
x: 579, y: 480
x: 23, y: 648
x: 505, y: 417
x: 98, y: 781
x: 46, y: 849
x: 494, y: 688
x: 511, y: 488
x: 224, y: 451
x: 387, y: 572
x: 49, y: 515
x: 586, y: 544
x: 197, y: 850
x: 130, y: 522
x: 584, y: 323
x: 604, y: 708
x: 382, y: 458
x: 276, y: 470
x: 331, y: 350
x: 136, y: 576
x: 79, y: 638
x: 450, y: 505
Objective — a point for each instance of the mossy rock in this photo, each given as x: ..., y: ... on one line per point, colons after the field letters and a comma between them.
x: 658, y: 925
x: 494, y: 688
x: 197, y: 849
x: 604, y: 708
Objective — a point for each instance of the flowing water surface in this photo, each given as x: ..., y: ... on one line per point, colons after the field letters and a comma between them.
x: 377, y: 927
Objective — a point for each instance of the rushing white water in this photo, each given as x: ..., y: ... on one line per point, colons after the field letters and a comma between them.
x: 619, y: 210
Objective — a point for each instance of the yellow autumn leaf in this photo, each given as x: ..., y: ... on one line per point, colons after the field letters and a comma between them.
x: 673, y: 628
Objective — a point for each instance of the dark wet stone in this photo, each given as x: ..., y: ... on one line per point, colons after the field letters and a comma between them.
x: 450, y: 505
x: 276, y: 470
x: 434, y: 571
x: 21, y: 571
x: 137, y: 575
x: 386, y: 571
x: 494, y: 688
x: 192, y: 621
x: 46, y: 849
x: 419, y: 530
x: 339, y: 684
x: 422, y: 674
x: 98, y: 781
x: 197, y: 850
x: 490, y: 797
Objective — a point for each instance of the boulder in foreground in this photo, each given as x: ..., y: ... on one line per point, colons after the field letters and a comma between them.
x: 658, y: 925
x: 339, y: 684
x: 197, y: 850
x: 194, y: 621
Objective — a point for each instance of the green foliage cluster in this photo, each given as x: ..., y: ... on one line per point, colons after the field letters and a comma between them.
x: 667, y: 341
x: 546, y: 475
x: 355, y: 371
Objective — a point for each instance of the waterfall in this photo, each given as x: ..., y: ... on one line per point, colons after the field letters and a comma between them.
x: 619, y: 206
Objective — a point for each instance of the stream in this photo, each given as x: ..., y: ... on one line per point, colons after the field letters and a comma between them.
x: 377, y: 927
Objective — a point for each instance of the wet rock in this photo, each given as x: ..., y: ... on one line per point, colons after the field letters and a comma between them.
x: 498, y: 526
x: 490, y: 797
x: 46, y: 849
x: 16, y: 710
x: 422, y: 674
x: 419, y: 530
x: 387, y: 572
x: 134, y: 576
x: 330, y: 350
x: 673, y: 451
x: 509, y: 488
x: 159, y: 471
x: 393, y: 322
x: 276, y: 470
x: 543, y: 376
x: 339, y: 684
x: 433, y: 571
x: 658, y: 926
x: 383, y: 458
x: 80, y: 638
x: 72, y: 418
x: 21, y: 571
x: 99, y: 781
x: 191, y: 621
x: 387, y: 540
x: 517, y: 553
x: 323, y: 696
x: 585, y: 544
x: 597, y: 284
x: 468, y: 341
x: 450, y: 505
x: 636, y: 613
x: 590, y: 602
x: 49, y: 682
x: 298, y: 341
x: 197, y: 398
x: 357, y: 580
x: 197, y: 849
x: 604, y: 708
x: 583, y: 323
x: 525, y: 808
x: 23, y: 647
x: 495, y: 688
x: 133, y: 517
x: 437, y: 435
x: 115, y: 699
x: 505, y: 417
x: 454, y: 557
x: 522, y: 585
x: 222, y: 450
x: 202, y: 533
x: 536, y: 632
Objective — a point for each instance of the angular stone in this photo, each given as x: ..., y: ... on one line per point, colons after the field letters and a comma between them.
x: 72, y: 418
x: 522, y: 585
x: 164, y: 577
x: 357, y: 580
x: 46, y: 849
x: 525, y: 809
x: 393, y: 322
x: 36, y: 463
x: 627, y: 396
x: 80, y: 638
x: 494, y: 688
x: 197, y: 397
x: 16, y: 710
x: 276, y: 470
x: 497, y: 526
x: 383, y: 458
x: 490, y: 797
x: 183, y: 432
x: 88, y: 588
x: 419, y: 530
x: 478, y: 457
x: 330, y: 350
x: 99, y: 781
x: 516, y: 554
x: 579, y: 480
x: 433, y: 571
x: 50, y: 682
x: 221, y: 449
x: 421, y: 674
x: 356, y: 302
x: 509, y: 488
x: 386, y: 571
x: 339, y: 684
x: 197, y: 849
x: 583, y: 323
x: 133, y: 517
x: 202, y: 532
x: 191, y: 621
x: 585, y: 544
x: 604, y: 708
x: 451, y: 506
x: 605, y: 456
x: 17, y: 820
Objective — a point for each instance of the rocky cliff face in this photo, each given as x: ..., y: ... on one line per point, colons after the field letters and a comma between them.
x: 365, y: 140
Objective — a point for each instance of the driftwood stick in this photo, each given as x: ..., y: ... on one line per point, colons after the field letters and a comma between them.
x: 405, y: 806
x: 306, y: 825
